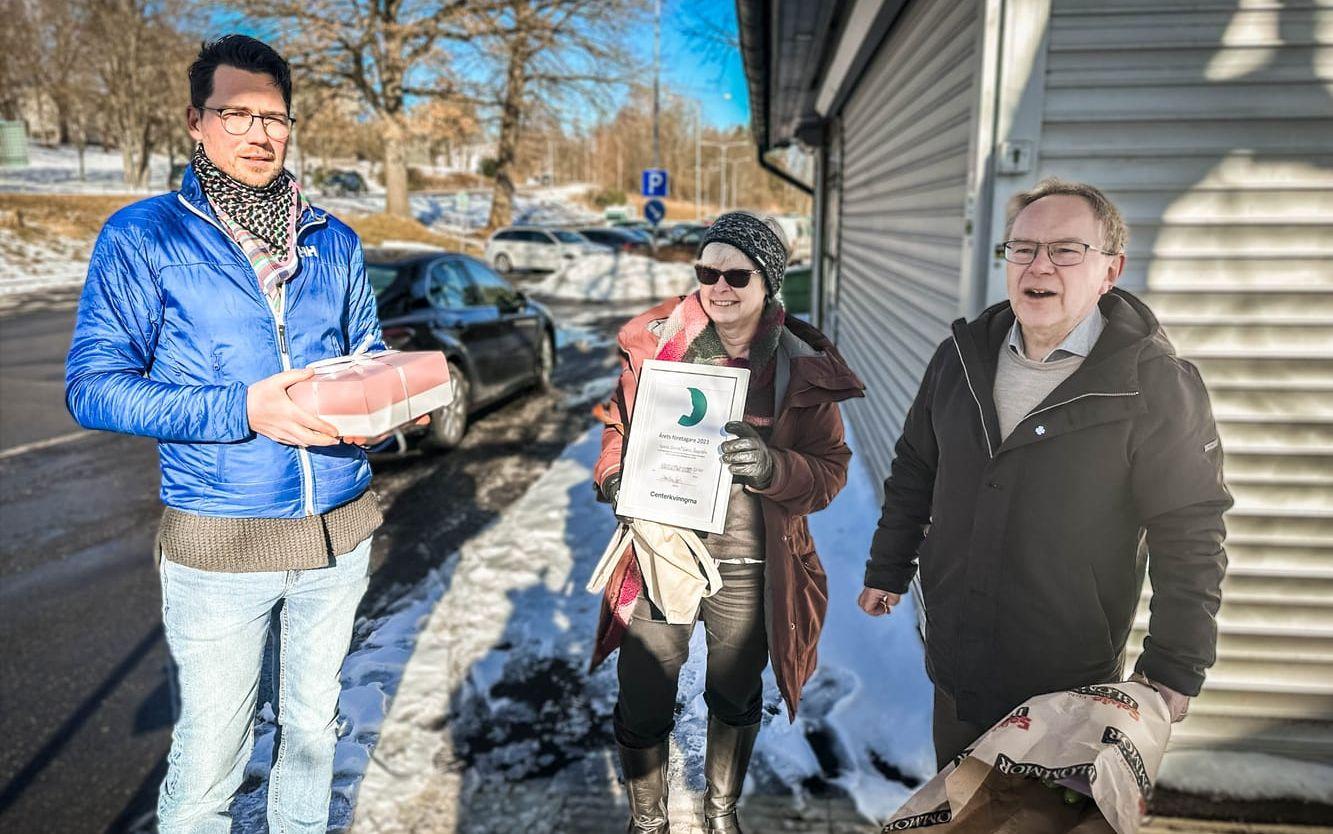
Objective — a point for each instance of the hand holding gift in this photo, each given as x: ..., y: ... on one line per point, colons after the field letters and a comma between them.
x: 273, y: 414
x: 1081, y: 761
x: 375, y: 441
x: 364, y: 397
x: 1177, y: 703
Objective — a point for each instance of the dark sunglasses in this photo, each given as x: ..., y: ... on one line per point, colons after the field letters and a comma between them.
x: 737, y: 278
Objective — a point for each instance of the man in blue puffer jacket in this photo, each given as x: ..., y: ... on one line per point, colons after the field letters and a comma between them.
x: 201, y: 308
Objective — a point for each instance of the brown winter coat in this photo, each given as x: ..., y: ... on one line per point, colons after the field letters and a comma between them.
x: 809, y: 468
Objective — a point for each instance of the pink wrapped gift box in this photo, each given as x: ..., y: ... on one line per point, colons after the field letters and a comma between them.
x: 369, y: 394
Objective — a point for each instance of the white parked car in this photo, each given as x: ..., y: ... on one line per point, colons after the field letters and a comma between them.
x: 537, y: 248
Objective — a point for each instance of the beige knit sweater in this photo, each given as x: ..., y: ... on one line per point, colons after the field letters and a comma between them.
x: 244, y: 545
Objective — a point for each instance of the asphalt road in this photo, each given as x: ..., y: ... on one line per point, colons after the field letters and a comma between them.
x: 85, y: 703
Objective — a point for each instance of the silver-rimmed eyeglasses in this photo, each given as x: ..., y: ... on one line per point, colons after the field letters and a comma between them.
x: 1061, y: 252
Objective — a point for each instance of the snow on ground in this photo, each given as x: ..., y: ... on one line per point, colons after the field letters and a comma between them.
x: 617, y: 277
x: 495, y: 687
x: 27, y: 265
x: 1246, y: 776
x: 56, y: 171
x: 514, y: 611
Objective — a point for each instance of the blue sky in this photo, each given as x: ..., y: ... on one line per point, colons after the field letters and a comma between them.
x: 693, y: 64
x: 693, y: 67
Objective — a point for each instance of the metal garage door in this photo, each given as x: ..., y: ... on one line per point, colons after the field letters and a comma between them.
x: 907, y: 133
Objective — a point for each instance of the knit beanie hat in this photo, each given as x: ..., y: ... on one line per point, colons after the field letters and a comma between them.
x: 748, y: 233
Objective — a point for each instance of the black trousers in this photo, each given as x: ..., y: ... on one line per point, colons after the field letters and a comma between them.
x: 952, y: 735
x: 653, y: 652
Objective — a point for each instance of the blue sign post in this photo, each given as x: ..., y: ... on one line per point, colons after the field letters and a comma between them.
x: 655, y: 181
x: 654, y: 211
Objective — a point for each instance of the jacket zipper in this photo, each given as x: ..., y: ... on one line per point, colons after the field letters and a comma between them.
x: 280, y: 328
x: 1079, y: 397
x: 990, y: 450
x: 280, y: 317
x: 302, y: 456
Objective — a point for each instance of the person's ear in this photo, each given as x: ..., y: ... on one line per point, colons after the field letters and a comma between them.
x: 192, y: 118
x: 1113, y: 272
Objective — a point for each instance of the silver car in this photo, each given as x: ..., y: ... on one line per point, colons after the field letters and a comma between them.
x: 537, y: 248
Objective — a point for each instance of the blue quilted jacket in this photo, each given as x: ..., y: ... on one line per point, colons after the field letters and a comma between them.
x: 173, y: 327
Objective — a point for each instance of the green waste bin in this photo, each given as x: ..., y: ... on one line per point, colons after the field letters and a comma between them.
x: 13, y: 145
x: 796, y: 289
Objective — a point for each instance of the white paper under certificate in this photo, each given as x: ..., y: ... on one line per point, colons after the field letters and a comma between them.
x: 673, y: 472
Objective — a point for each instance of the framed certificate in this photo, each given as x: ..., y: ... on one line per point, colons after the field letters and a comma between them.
x: 673, y: 472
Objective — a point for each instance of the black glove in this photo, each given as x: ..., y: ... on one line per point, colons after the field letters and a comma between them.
x: 747, y: 456
x: 610, y: 489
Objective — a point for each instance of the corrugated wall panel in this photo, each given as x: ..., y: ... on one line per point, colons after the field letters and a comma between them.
x: 906, y: 137
x: 1210, y: 126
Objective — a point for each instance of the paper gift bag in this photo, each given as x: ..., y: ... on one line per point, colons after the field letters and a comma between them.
x: 1104, y: 741
x: 370, y: 394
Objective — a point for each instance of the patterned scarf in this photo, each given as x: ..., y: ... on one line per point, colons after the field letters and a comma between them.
x: 690, y: 336
x: 265, y: 212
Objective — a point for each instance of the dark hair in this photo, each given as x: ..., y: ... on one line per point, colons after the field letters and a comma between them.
x: 242, y: 52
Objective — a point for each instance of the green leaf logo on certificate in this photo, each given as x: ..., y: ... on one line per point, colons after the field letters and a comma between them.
x: 698, y: 406
x: 673, y: 472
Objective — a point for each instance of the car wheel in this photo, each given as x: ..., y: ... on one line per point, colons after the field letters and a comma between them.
x: 448, y: 424
x: 503, y: 265
x: 546, y: 363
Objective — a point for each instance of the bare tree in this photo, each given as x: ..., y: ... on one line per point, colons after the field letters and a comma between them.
x: 18, y: 56
x: 545, y: 53
x: 64, y: 35
x: 140, y: 68
x: 386, y: 51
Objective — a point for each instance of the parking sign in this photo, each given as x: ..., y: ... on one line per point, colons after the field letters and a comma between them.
x: 654, y: 211
x: 655, y: 182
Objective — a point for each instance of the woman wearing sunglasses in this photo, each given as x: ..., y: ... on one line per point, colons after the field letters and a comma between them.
x: 788, y: 459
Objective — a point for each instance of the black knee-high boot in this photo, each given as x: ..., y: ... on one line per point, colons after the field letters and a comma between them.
x: 725, y: 761
x: 645, y: 770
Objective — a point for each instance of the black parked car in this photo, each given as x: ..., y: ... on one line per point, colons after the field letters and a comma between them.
x: 496, y: 339
x: 344, y: 184
x: 621, y: 240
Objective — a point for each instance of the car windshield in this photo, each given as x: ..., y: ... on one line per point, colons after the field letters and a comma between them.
x: 567, y: 237
x: 380, y: 276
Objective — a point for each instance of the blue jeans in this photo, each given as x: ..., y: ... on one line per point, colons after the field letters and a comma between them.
x: 216, y: 625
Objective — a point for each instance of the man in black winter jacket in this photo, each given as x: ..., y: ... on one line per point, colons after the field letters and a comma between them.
x: 1057, y: 445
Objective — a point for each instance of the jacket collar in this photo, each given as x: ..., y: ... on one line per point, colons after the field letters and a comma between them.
x: 1132, y: 336
x: 813, y: 369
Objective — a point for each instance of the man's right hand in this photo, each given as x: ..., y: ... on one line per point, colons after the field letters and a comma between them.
x: 273, y: 414
x: 877, y: 603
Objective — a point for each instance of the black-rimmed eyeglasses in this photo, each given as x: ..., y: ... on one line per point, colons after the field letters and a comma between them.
x: 1061, y: 252
x: 237, y: 122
